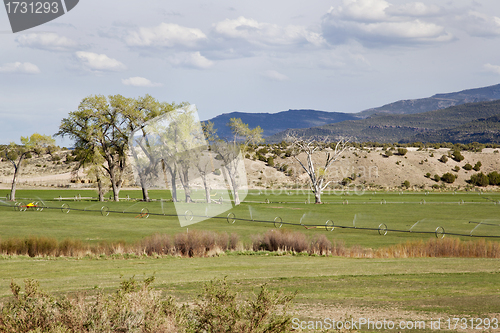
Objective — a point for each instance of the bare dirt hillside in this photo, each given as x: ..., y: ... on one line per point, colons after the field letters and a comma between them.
x: 369, y: 167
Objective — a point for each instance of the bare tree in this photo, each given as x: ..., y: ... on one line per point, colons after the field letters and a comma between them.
x: 318, y: 174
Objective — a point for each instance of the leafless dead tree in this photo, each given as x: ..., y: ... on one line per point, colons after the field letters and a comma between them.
x: 318, y: 174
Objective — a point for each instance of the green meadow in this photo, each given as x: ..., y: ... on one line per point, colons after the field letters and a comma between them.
x: 429, y: 287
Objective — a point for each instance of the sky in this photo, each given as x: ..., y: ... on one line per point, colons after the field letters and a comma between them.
x: 248, y: 56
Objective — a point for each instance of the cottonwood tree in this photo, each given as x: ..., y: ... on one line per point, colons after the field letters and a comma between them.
x: 16, y: 154
x: 230, y: 151
x: 101, y: 123
x: 145, y: 109
x: 317, y: 172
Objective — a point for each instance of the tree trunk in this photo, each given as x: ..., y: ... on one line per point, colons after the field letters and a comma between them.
x: 207, y: 189
x: 145, y: 194
x: 14, y: 180
x: 173, y: 174
x: 114, y: 186
x: 184, y: 177
x: 100, y: 189
x: 317, y: 197
x: 317, y: 194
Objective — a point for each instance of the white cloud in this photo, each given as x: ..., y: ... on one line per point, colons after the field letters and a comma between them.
x: 414, y: 9
x: 191, y: 60
x: 138, y: 81
x: 361, y: 10
x: 46, y: 41
x: 492, y: 68
x: 274, y: 75
x: 99, y: 62
x: 265, y: 34
x: 480, y: 25
x: 20, y: 67
x: 379, y: 23
x: 165, y: 35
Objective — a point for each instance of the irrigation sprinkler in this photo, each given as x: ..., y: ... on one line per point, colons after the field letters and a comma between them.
x: 382, y: 229
x: 477, y: 226
x: 440, y: 233
x: 329, y: 225
x: 65, y: 208
x: 231, y: 218
x: 416, y: 224
x: 104, y: 211
x: 304, y: 215
x: 145, y: 214
x: 354, y: 221
x: 278, y: 222
x: 188, y: 215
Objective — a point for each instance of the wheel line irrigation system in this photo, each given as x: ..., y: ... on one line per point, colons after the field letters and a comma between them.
x: 329, y: 225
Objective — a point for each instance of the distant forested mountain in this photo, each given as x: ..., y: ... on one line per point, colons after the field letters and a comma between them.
x: 436, y: 102
x: 413, y: 127
x: 273, y: 123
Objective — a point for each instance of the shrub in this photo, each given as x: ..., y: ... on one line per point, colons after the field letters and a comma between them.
x: 406, y: 184
x: 217, y: 172
x: 457, y: 156
x: 136, y: 307
x: 479, y: 179
x: 443, y: 159
x: 477, y: 166
x: 388, y: 153
x: 456, y: 168
x: 428, y: 175
x: 448, y: 178
x: 402, y: 151
x: 270, y: 161
x: 494, y: 178
x: 467, y: 167
x: 437, y: 178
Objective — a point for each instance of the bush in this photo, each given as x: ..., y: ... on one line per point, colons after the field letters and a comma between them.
x: 270, y: 161
x: 437, y: 178
x: 456, y: 168
x: 402, y: 151
x: 448, y: 178
x: 428, y: 175
x: 457, y: 156
x: 406, y: 184
x: 467, y: 167
x: 443, y: 159
x: 479, y: 179
x: 477, y: 166
x: 136, y: 307
x: 494, y: 178
x: 217, y: 172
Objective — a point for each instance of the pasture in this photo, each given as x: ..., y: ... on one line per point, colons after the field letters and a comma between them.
x: 328, y: 286
x: 357, y: 219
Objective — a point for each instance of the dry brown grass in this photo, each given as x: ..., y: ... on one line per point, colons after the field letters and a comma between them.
x: 209, y: 244
x: 448, y: 247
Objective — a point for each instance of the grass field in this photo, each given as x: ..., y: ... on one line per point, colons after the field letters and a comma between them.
x: 328, y: 286
x: 453, y: 212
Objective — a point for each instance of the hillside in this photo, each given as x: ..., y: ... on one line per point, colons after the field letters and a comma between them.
x: 480, y: 130
x: 436, y: 102
x: 273, y: 123
x: 396, y: 128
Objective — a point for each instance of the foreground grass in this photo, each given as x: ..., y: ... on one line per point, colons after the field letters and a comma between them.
x: 448, y: 286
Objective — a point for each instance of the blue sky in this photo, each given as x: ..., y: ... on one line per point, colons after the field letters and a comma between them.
x: 251, y: 56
